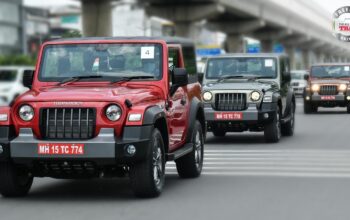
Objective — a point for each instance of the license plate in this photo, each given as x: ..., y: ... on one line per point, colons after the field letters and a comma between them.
x: 229, y: 116
x: 328, y: 97
x: 60, y: 149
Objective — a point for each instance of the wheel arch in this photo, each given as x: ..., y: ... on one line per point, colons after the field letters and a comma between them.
x: 196, y: 112
x: 155, y: 116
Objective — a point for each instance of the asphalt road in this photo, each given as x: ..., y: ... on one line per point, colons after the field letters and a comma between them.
x: 302, y: 177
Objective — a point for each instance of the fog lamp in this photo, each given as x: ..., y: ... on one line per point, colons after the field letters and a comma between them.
x: 266, y: 115
x: 131, y: 149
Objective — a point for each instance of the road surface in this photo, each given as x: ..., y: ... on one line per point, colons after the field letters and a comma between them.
x: 302, y: 177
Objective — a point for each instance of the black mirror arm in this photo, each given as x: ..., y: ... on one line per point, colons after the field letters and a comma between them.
x: 173, y: 89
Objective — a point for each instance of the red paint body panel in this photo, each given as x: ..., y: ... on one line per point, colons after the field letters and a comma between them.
x: 99, y: 95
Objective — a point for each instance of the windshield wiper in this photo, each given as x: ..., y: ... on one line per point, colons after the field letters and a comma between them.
x: 229, y: 77
x: 77, y: 78
x: 125, y: 79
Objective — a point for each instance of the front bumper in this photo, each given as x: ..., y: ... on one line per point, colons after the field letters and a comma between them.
x: 328, y: 101
x: 105, y: 149
x: 253, y: 118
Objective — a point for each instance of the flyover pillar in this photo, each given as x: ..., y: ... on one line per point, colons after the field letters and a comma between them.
x: 306, y: 59
x: 235, y: 43
x: 291, y: 54
x: 266, y: 46
x: 183, y: 29
x: 97, y: 18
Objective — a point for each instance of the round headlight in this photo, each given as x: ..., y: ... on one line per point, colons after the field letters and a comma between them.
x: 255, y: 96
x: 113, y: 112
x: 342, y: 87
x: 315, y: 87
x: 207, y: 96
x: 26, y: 113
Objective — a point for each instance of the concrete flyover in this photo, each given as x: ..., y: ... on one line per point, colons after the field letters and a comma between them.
x: 299, y: 25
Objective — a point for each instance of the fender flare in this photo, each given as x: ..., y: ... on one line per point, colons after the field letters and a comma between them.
x: 152, y: 114
x: 196, y: 105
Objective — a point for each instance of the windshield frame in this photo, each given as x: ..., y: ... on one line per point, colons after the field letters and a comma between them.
x: 247, y: 57
x: 103, y: 79
x: 330, y: 76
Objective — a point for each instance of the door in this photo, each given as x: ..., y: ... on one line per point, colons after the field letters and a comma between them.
x: 178, y: 102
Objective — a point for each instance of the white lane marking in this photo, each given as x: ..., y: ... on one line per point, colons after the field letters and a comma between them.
x: 275, y: 174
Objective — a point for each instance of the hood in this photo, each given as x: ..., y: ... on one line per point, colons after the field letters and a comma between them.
x: 135, y: 93
x: 329, y: 81
x: 241, y: 85
x: 5, y: 86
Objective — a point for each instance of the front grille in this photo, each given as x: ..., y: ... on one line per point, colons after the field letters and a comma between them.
x: 295, y: 84
x: 230, y: 101
x: 67, y: 123
x: 328, y: 90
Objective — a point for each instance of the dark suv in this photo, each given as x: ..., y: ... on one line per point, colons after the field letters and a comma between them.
x: 249, y: 92
x: 328, y: 86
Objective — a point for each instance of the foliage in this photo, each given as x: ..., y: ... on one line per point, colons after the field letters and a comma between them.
x: 17, y: 60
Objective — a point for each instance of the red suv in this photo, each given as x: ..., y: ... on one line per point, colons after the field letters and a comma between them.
x: 105, y: 107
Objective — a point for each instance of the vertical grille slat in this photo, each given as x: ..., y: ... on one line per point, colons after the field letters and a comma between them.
x: 67, y: 123
x: 230, y: 101
x: 328, y: 90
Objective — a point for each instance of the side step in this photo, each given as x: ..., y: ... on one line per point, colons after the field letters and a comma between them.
x: 188, y: 148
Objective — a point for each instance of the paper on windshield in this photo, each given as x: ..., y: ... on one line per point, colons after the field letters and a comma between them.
x: 347, y: 68
x: 147, y: 52
x: 268, y: 62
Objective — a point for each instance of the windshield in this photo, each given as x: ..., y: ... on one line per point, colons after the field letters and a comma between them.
x: 8, y: 75
x: 330, y: 71
x: 108, y: 61
x: 298, y: 75
x: 246, y: 67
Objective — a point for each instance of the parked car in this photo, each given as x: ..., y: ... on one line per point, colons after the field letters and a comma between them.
x: 328, y: 86
x: 11, y: 85
x: 249, y: 92
x: 105, y: 107
x: 298, y: 81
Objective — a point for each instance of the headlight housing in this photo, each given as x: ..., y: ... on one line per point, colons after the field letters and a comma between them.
x: 26, y: 112
x: 255, y: 96
x: 113, y: 112
x: 315, y: 88
x: 207, y: 96
x: 342, y: 87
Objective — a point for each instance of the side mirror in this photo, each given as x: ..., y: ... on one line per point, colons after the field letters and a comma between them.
x: 200, y: 77
x: 28, y: 78
x: 306, y: 77
x: 287, y: 77
x: 179, y: 79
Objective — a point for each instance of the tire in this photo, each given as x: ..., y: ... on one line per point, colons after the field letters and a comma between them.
x: 219, y: 133
x: 287, y: 129
x: 147, y: 178
x: 309, y: 108
x: 272, y: 130
x: 14, y: 182
x: 190, y: 165
x: 348, y: 109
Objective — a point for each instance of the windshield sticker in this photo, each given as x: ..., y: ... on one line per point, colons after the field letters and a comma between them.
x: 147, y: 52
x: 347, y: 68
x: 268, y: 63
